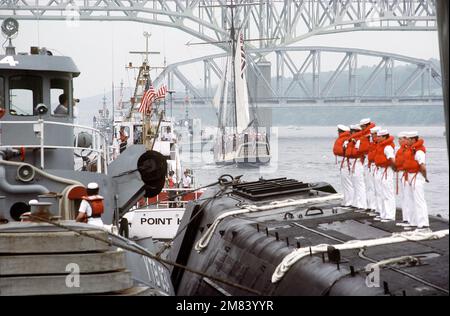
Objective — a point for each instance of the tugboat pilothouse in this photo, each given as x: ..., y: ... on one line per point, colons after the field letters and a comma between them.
x: 41, y: 191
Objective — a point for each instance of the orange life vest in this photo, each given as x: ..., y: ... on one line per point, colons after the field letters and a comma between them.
x: 364, y: 140
x: 351, y: 151
x: 170, y: 182
x: 96, y: 203
x: 410, y: 164
x: 338, y: 149
x: 380, y: 158
x: 123, y: 136
x: 400, y: 157
x: 372, y: 151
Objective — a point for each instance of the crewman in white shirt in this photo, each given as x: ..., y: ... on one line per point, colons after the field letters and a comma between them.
x: 357, y: 169
x: 187, y: 180
x: 372, y: 202
x: 415, y: 177
x: 91, y: 207
x: 339, y: 151
x: 385, y: 162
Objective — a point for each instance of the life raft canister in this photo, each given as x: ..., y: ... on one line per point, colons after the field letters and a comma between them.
x: 380, y: 158
x: 410, y: 164
x: 96, y: 203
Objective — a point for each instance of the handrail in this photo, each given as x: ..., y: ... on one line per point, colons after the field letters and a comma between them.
x: 166, y: 203
x: 99, y: 144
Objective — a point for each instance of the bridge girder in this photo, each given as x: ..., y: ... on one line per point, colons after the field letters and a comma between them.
x: 307, y: 74
x: 280, y: 23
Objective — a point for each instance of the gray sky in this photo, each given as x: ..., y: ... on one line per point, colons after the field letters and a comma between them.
x: 101, y: 49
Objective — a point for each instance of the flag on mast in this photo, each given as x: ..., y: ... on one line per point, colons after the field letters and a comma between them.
x: 161, y: 93
x: 147, y: 100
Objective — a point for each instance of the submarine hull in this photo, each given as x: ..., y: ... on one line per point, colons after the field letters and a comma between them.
x: 246, y: 249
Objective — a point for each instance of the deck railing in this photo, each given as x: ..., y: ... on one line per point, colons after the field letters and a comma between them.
x: 99, y: 144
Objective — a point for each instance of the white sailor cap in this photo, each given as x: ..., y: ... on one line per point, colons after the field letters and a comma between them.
x: 33, y: 202
x: 412, y: 134
x: 375, y: 129
x: 343, y: 128
x: 402, y: 134
x: 364, y: 121
x: 355, y: 127
x: 383, y: 132
x: 92, y: 186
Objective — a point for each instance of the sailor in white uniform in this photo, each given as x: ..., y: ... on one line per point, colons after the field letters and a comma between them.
x: 359, y: 185
x: 369, y: 174
x: 85, y: 211
x: 385, y: 179
x: 400, y: 184
x: 414, y: 187
x: 346, y: 177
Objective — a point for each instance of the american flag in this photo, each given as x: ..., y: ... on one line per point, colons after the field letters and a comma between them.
x: 243, y: 62
x: 147, y: 100
x: 161, y: 94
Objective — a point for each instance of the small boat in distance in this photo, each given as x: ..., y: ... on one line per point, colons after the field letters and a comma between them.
x: 239, y: 140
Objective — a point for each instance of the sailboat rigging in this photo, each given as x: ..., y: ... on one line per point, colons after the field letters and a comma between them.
x: 238, y: 141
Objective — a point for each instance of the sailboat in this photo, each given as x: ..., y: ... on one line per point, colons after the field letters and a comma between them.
x: 238, y: 140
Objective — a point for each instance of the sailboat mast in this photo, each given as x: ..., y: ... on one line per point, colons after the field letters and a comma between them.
x: 233, y: 49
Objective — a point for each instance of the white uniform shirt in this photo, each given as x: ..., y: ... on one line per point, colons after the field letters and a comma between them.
x: 358, y: 143
x: 389, y: 152
x: 419, y: 157
x: 168, y: 136
x: 85, y: 207
x: 345, y: 144
x: 187, y: 181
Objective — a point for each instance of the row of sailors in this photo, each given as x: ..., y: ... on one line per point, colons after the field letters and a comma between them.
x: 372, y: 173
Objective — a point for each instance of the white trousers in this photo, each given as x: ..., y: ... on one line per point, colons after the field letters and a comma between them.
x: 387, y: 193
x: 415, y: 194
x: 403, y: 197
x: 359, y: 185
x: 347, y: 185
x: 370, y: 186
x: 377, y: 182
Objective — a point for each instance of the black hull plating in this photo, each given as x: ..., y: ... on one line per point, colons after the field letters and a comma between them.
x: 246, y: 250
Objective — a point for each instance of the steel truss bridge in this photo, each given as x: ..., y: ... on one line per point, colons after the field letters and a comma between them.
x: 306, y: 74
x: 280, y: 23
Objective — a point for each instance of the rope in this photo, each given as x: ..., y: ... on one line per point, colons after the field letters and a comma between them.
x: 299, y: 254
x: 133, y: 247
x: 203, y: 242
x: 409, y: 275
x: 167, y: 245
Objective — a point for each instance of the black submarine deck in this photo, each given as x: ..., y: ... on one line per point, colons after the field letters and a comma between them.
x: 245, y: 249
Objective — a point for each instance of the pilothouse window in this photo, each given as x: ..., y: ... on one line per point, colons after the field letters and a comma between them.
x: 25, y: 93
x: 59, y: 87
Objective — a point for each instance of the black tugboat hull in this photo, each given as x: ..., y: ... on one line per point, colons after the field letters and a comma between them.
x: 246, y: 249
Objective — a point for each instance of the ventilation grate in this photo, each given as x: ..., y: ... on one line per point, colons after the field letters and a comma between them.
x: 268, y: 188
